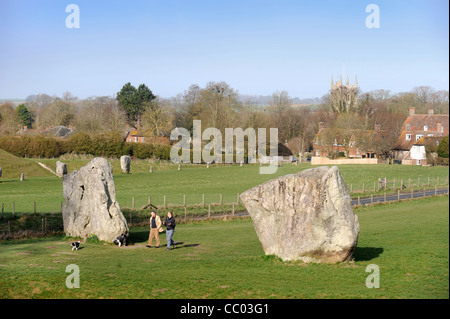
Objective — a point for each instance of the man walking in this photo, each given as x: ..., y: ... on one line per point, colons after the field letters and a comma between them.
x: 170, y: 225
x: 155, y: 229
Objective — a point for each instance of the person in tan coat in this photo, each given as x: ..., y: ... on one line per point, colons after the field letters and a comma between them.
x: 155, y: 229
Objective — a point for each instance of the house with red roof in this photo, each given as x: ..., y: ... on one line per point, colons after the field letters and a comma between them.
x: 418, y: 131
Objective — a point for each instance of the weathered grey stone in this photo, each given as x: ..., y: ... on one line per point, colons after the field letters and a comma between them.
x: 90, y: 205
x: 306, y: 216
x: 61, y: 169
x: 125, y: 162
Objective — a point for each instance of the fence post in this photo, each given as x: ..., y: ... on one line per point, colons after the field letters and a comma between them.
x: 363, y: 188
x: 185, y: 213
x: 150, y: 202
x: 203, y: 200
x: 359, y: 201
x: 351, y: 188
x: 233, y: 210
x: 435, y: 190
x: 209, y: 210
x: 384, y: 196
x: 398, y: 195
x: 428, y: 181
x: 132, y: 202
x: 371, y: 199
x: 220, y: 199
x: 184, y: 200
x: 412, y: 193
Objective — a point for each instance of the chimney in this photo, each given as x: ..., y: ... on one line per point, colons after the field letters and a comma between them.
x: 321, y: 126
x: 412, y: 110
x: 430, y: 111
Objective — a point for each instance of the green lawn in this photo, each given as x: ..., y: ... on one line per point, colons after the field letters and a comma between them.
x: 409, y: 241
x: 192, y: 181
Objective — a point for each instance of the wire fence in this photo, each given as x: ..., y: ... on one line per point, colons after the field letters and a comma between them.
x: 34, y: 224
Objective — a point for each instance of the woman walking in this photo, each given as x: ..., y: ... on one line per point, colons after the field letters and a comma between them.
x: 170, y: 225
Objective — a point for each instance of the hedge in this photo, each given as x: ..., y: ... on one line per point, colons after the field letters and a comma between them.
x: 106, y: 145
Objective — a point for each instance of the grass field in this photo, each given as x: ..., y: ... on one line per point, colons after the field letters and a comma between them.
x: 192, y: 181
x: 409, y: 241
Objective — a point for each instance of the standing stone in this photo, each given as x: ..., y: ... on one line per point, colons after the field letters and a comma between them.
x: 306, y: 216
x: 61, y: 169
x: 125, y: 162
x: 90, y: 205
x: 22, y: 177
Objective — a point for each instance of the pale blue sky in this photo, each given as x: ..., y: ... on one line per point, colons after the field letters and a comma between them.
x: 257, y: 47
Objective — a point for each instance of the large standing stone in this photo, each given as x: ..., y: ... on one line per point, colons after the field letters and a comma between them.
x: 125, y: 162
x: 90, y: 203
x: 306, y: 216
x: 61, y: 169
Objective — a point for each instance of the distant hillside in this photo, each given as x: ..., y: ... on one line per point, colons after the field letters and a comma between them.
x: 13, y: 166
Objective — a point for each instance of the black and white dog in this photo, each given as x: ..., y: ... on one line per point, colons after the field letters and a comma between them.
x: 120, y: 240
x: 75, y: 245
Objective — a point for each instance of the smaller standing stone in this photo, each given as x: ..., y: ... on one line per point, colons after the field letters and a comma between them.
x: 22, y: 177
x: 125, y: 162
x: 61, y: 169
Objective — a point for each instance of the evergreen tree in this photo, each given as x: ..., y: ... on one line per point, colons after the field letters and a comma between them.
x: 24, y: 115
x: 133, y: 101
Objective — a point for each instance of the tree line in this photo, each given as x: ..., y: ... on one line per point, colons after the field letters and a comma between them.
x: 219, y: 105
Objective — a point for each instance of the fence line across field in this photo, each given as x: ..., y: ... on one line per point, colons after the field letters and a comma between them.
x: 46, y: 224
x: 180, y: 200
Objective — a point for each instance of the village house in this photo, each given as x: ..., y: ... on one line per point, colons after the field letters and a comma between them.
x: 418, y: 131
x: 331, y: 141
x: 145, y: 136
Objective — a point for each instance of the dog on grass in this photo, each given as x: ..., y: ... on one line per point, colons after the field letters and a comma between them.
x: 75, y: 245
x: 120, y: 240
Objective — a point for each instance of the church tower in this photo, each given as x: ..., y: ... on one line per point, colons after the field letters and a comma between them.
x: 343, y: 97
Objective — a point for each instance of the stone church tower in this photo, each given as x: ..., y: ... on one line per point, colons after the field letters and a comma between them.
x: 343, y: 98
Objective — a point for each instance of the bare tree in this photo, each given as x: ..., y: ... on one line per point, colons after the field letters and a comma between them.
x: 158, y: 117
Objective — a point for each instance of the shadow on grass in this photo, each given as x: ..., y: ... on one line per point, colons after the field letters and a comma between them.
x: 366, y: 253
x: 142, y: 236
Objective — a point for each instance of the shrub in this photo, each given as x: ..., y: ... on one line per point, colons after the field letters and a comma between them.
x: 443, y: 148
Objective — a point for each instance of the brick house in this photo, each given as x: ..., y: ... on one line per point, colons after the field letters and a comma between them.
x: 145, y: 136
x: 416, y: 132
x: 329, y: 140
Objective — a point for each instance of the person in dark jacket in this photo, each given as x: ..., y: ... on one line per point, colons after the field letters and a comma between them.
x: 170, y: 228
